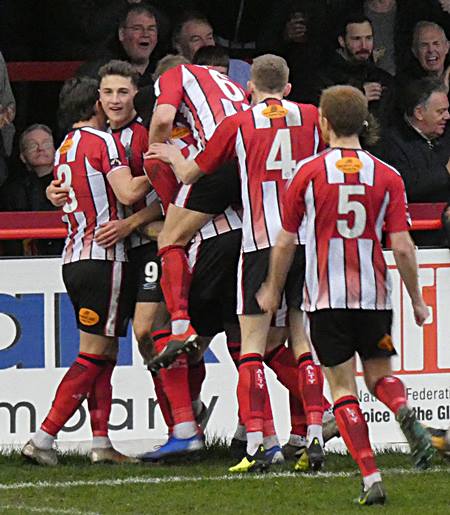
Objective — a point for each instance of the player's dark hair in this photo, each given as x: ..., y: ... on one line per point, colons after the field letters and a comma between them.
x: 418, y: 92
x: 77, y: 101
x: 347, y: 112
x: 270, y: 73
x: 211, y: 56
x: 184, y: 18
x: 350, y: 18
x: 142, y: 8
x: 121, y: 68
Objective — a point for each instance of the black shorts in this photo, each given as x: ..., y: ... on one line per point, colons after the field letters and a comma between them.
x: 337, y: 334
x: 102, y: 295
x: 253, y: 269
x: 212, y: 299
x: 212, y: 194
x: 146, y: 266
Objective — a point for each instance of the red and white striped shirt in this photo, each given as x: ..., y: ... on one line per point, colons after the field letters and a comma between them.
x: 347, y: 197
x: 83, y: 161
x: 203, y: 96
x: 134, y: 138
x: 269, y: 140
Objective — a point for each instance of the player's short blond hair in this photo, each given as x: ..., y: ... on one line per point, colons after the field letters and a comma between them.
x: 168, y: 62
x: 270, y: 73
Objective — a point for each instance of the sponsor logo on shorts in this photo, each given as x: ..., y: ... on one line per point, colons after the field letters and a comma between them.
x: 275, y: 111
x: 88, y: 317
x: 386, y: 343
x: 349, y: 165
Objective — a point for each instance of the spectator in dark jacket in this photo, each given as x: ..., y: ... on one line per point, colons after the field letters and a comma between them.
x: 418, y: 146
x: 352, y: 64
x: 25, y: 191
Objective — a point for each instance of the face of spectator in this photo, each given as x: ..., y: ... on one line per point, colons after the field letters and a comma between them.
x: 139, y: 37
x: 116, y: 96
x: 194, y: 35
x: 358, y: 42
x: 38, y: 150
x: 432, y: 117
x: 431, y: 50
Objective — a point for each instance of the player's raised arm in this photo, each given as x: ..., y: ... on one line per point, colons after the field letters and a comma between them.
x: 161, y: 124
x: 185, y: 169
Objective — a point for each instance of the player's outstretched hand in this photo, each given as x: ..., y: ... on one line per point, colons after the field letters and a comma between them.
x: 268, y: 298
x: 112, y: 232
x: 166, y: 152
x: 57, y: 194
x: 421, y: 312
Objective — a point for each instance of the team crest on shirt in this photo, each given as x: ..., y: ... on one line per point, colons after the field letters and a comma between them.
x: 349, y: 165
x: 179, y: 132
x: 66, y: 146
x: 88, y: 317
x: 275, y: 111
x: 386, y: 343
x: 115, y: 162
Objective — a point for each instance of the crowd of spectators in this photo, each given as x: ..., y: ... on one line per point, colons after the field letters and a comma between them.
x: 394, y: 51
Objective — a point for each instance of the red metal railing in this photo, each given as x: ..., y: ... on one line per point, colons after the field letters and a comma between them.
x: 47, y: 224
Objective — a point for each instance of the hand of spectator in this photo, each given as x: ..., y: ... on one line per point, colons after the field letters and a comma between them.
x: 164, y: 151
x: 112, y: 232
x: 57, y: 194
x: 446, y: 76
x: 445, y: 5
x: 268, y: 298
x: 295, y: 30
x: 373, y: 91
x: 421, y: 312
x: 448, y: 166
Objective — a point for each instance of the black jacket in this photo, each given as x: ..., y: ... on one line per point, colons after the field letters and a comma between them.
x: 340, y: 71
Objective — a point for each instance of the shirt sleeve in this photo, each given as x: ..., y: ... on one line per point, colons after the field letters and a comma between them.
x: 169, y: 87
x: 112, y: 155
x: 397, y: 218
x: 294, y: 204
x: 221, y: 147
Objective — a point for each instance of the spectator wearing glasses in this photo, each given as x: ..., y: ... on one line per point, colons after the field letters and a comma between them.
x: 135, y: 42
x: 25, y: 190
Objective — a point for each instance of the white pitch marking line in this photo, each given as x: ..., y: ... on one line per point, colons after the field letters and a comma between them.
x: 34, y: 509
x: 195, y: 479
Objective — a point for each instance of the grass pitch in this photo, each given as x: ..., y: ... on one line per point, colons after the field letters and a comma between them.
x: 203, y: 485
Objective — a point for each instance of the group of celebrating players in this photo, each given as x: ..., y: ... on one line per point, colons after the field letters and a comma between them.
x: 232, y: 217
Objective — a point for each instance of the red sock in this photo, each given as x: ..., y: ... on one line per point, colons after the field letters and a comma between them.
x: 176, y: 387
x: 310, y: 380
x: 163, y: 180
x: 100, y: 400
x: 251, y: 392
x: 298, y: 416
x: 282, y: 362
x: 196, y: 376
x: 234, y: 348
x: 391, y: 391
x: 163, y: 401
x: 175, y: 281
x: 268, y: 425
x: 73, y: 389
x: 353, y: 428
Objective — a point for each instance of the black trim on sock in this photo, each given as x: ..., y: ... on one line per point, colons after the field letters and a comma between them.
x: 340, y: 404
x: 98, y: 362
x: 256, y: 359
x: 304, y: 357
x: 269, y: 356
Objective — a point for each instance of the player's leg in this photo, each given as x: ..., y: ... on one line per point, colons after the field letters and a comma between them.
x: 333, y: 340
x: 376, y: 349
x: 103, y: 305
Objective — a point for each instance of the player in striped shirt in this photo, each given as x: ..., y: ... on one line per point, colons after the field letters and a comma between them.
x: 348, y: 197
x: 268, y: 140
x: 97, y: 181
x: 203, y: 97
